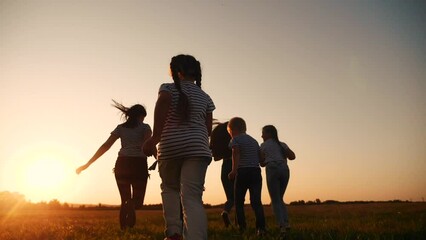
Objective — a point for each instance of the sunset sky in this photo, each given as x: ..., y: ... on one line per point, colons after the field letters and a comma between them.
x: 344, y: 82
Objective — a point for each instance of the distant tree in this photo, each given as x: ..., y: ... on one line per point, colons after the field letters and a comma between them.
x: 54, y: 204
x: 317, y: 201
x: 331, y: 202
x: 300, y: 202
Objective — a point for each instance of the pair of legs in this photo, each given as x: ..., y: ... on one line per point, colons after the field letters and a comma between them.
x: 249, y: 179
x: 277, y: 177
x: 131, y: 174
x: 182, y: 189
x: 228, y: 187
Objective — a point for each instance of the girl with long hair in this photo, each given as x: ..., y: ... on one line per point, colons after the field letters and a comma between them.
x: 182, y: 125
x: 274, y: 155
x: 131, y: 170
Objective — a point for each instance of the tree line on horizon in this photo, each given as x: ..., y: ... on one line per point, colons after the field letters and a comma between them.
x: 14, y: 200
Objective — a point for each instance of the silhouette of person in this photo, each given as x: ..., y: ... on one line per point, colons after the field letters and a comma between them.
x: 182, y: 125
x: 247, y: 174
x: 219, y: 143
x: 131, y: 168
x: 274, y: 155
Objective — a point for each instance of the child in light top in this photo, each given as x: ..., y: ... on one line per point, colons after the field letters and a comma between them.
x: 247, y: 174
x: 182, y: 125
x: 274, y: 155
x: 131, y: 167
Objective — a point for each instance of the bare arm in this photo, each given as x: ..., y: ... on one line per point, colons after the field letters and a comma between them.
x: 209, y: 123
x: 160, y: 115
x: 102, y: 149
x: 290, y: 154
x: 262, y: 158
x: 235, y: 162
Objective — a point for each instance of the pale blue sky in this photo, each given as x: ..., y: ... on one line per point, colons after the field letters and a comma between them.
x: 343, y: 81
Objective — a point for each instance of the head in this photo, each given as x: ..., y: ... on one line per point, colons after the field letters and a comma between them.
x: 236, y: 126
x: 268, y: 132
x: 219, y: 141
x: 185, y: 67
x: 133, y: 115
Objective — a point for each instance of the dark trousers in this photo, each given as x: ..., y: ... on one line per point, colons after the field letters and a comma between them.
x: 249, y: 179
x: 228, y: 185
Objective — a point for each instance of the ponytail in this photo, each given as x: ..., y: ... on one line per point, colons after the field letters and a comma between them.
x: 272, y: 131
x: 189, y: 67
x: 131, y: 114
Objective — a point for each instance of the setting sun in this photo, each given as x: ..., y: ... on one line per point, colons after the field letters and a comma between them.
x: 46, y: 174
x: 44, y: 171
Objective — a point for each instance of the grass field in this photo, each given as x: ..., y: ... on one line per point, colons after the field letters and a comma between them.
x: 337, y: 221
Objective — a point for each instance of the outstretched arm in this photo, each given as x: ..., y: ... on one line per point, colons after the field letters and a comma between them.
x: 102, y: 149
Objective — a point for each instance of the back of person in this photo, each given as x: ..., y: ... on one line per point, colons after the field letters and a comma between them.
x: 247, y: 174
x: 249, y: 150
x: 131, y: 139
x: 273, y: 152
x: 190, y: 137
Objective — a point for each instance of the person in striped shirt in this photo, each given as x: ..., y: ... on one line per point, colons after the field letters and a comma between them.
x: 247, y: 174
x: 182, y: 125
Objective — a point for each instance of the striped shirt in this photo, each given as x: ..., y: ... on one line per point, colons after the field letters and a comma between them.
x: 131, y: 139
x: 186, y: 138
x: 249, y: 150
x: 273, y: 152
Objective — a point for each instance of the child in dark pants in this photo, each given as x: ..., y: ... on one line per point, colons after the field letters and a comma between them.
x: 219, y: 143
x: 246, y: 172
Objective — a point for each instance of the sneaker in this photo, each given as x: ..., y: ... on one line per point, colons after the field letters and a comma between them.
x: 261, y: 232
x: 225, y: 217
x: 175, y: 236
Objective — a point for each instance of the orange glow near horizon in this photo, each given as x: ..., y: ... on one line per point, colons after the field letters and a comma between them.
x: 45, y: 172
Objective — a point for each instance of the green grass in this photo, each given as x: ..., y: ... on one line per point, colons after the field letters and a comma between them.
x: 340, y: 221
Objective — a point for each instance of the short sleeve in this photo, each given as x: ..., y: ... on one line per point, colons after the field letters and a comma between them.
x: 262, y: 146
x: 148, y: 128
x: 116, y: 131
x: 210, y: 105
x: 284, y: 145
x: 166, y: 87
x: 233, y: 143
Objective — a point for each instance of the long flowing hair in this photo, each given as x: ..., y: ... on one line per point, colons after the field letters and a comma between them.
x: 219, y: 141
x: 131, y: 115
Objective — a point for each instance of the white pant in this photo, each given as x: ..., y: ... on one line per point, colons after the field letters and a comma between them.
x: 183, y: 182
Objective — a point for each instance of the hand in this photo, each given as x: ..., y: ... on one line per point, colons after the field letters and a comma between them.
x: 80, y: 169
x: 149, y: 148
x: 232, y: 175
